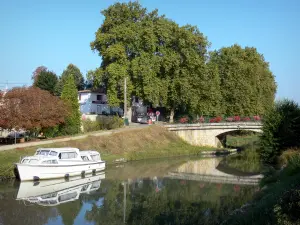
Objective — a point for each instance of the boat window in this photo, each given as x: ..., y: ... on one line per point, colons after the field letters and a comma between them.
x: 51, y: 195
x: 33, y: 161
x: 68, y: 155
x: 48, y: 202
x: 96, y: 184
x: 50, y: 162
x: 43, y: 152
x: 67, y: 197
x: 53, y: 153
x: 85, y: 158
x: 95, y: 157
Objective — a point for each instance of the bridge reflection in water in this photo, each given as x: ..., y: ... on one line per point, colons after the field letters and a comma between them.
x: 208, y: 170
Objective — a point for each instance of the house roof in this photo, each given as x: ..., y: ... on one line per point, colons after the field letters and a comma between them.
x: 90, y: 91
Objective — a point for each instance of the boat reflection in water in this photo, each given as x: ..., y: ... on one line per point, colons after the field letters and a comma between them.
x: 58, y: 191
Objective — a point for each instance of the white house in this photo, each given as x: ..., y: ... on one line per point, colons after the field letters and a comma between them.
x: 94, y: 102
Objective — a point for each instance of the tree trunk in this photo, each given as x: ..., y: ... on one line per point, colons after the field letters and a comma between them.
x: 172, y: 115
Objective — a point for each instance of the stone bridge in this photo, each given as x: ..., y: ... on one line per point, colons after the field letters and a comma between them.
x: 210, y: 134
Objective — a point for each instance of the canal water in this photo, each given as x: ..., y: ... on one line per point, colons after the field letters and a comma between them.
x: 185, y: 190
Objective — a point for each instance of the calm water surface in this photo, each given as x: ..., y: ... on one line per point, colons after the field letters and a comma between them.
x: 184, y: 190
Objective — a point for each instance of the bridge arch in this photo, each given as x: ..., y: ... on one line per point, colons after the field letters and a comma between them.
x: 209, y: 134
x: 221, y: 138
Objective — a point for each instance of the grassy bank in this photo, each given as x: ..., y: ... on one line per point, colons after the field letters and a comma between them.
x: 152, y: 142
x: 279, y: 200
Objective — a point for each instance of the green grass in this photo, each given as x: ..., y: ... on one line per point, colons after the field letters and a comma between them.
x: 152, y: 142
x: 241, y: 140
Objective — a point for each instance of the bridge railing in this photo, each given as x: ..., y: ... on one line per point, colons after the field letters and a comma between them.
x: 226, y: 124
x: 218, y: 119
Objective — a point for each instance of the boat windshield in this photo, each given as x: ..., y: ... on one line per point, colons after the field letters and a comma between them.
x: 42, y: 152
x: 95, y: 157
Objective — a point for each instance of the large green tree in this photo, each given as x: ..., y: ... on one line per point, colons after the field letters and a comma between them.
x: 70, y: 96
x: 160, y: 59
x: 46, y: 80
x: 247, y: 85
x: 281, y: 130
x: 74, y: 71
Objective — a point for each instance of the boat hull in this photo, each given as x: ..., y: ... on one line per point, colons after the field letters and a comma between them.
x: 44, y: 172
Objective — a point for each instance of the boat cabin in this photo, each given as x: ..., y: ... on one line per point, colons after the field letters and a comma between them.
x: 54, y: 155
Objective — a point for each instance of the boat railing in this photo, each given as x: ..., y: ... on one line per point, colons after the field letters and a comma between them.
x: 21, y: 158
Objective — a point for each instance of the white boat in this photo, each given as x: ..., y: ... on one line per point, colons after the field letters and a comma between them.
x: 58, y: 191
x: 51, y: 163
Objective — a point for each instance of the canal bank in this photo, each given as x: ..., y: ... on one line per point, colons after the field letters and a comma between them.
x: 123, y: 145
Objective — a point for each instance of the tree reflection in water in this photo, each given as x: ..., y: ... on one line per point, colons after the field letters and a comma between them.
x: 167, y: 201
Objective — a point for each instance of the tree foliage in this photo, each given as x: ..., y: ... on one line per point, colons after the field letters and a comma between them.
x: 247, y: 84
x: 37, y: 72
x: 46, y: 80
x: 74, y: 71
x: 168, y: 65
x: 70, y: 96
x: 31, y: 108
x: 160, y: 59
x: 281, y: 129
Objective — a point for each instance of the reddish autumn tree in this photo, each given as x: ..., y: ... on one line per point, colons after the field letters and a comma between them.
x: 37, y: 72
x: 31, y: 108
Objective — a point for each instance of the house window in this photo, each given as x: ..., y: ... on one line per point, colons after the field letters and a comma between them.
x: 99, y: 97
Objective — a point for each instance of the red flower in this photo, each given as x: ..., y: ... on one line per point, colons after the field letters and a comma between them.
x: 218, y: 119
x: 257, y: 118
x: 237, y: 118
x: 201, y: 119
x: 212, y: 120
x: 229, y: 119
x: 183, y: 120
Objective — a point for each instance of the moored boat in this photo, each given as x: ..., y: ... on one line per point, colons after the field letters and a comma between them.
x: 51, y: 163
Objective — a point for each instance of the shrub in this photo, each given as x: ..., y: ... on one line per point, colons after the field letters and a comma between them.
x: 287, y: 156
x: 109, y: 122
x: 89, y: 125
x: 51, y: 132
x: 288, y: 207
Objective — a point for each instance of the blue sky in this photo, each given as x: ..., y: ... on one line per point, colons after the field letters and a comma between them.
x: 55, y: 33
